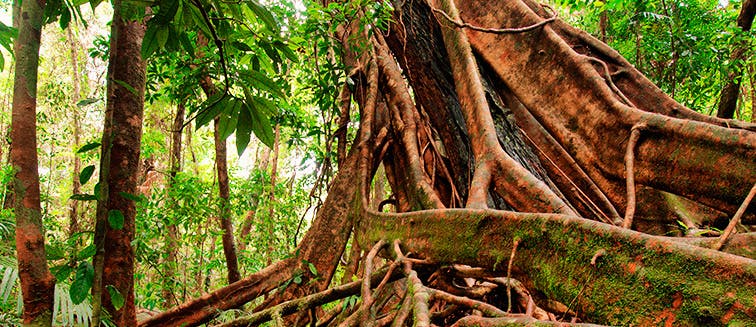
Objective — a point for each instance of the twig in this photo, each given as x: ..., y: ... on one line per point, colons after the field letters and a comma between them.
x: 499, y: 30
x: 735, y: 219
x: 509, y: 274
x: 629, y: 171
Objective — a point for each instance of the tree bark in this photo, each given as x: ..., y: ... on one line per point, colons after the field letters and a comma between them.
x: 272, y: 195
x: 119, y: 164
x: 171, y: 245
x: 37, y: 283
x: 728, y: 99
x: 226, y: 224
x: 73, y: 215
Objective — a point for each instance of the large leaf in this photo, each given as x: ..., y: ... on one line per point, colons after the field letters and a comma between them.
x: 243, y: 129
x: 229, y: 118
x: 154, y: 38
x: 167, y: 11
x: 260, y: 121
x: 211, y: 108
x: 115, y: 297
x: 263, y: 14
x: 88, y: 147
x: 262, y: 82
x: 86, y: 174
x: 82, y: 282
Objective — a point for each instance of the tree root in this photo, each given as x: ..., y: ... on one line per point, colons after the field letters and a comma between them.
x: 555, y: 253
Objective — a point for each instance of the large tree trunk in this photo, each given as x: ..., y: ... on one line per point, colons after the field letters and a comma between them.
x: 119, y: 162
x: 535, y: 117
x: 224, y: 216
x: 37, y: 283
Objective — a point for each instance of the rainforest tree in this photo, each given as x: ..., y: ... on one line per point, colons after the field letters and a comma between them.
x: 532, y: 171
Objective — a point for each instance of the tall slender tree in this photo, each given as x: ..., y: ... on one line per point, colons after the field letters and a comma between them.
x: 76, y: 184
x: 728, y: 99
x: 37, y: 283
x: 113, y: 286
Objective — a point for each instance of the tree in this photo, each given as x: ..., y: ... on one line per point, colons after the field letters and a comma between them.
x: 510, y: 161
x: 37, y: 283
x: 113, y: 285
x: 728, y: 100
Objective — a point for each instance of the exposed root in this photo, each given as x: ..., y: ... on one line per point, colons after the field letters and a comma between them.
x: 461, y: 24
x: 630, y: 174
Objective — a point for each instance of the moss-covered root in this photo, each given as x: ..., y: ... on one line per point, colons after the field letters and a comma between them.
x: 607, y: 274
x: 512, y: 321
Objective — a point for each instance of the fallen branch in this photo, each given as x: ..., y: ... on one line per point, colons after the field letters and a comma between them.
x: 735, y: 219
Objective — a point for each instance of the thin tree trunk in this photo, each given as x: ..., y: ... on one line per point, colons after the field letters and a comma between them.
x: 272, y: 194
x: 73, y: 216
x: 37, y: 283
x: 229, y: 245
x: 122, y: 136
x: 728, y: 99
x: 171, y: 246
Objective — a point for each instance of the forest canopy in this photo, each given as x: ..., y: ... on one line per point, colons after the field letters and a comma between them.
x: 376, y: 163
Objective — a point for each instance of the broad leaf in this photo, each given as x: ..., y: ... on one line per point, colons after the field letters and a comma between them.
x: 90, y: 146
x: 115, y: 297
x: 261, y: 82
x: 211, y: 108
x: 260, y: 122
x: 229, y: 118
x: 86, y: 252
x: 86, y: 174
x: 243, y: 130
x: 82, y: 282
x: 263, y: 14
x: 168, y: 9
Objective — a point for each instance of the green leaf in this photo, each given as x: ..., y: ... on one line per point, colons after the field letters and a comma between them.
x: 53, y: 252
x: 241, y: 46
x: 127, y: 87
x: 313, y: 270
x: 263, y: 14
x: 262, y: 82
x: 115, y: 219
x: 211, y: 108
x: 168, y: 9
x: 284, y: 48
x: 154, y: 38
x: 86, y: 252
x: 65, y: 18
x: 229, y: 118
x: 82, y: 282
x: 98, y: 191
x: 61, y: 272
x: 115, y: 297
x: 86, y: 102
x: 83, y: 197
x: 243, y: 129
x: 132, y: 197
x: 186, y: 44
x: 260, y: 122
x: 298, y: 279
x: 90, y: 146
x: 86, y: 174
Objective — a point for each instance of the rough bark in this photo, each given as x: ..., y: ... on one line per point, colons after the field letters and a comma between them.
x: 728, y: 99
x: 574, y: 102
x: 119, y: 164
x: 272, y: 194
x: 37, y: 283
